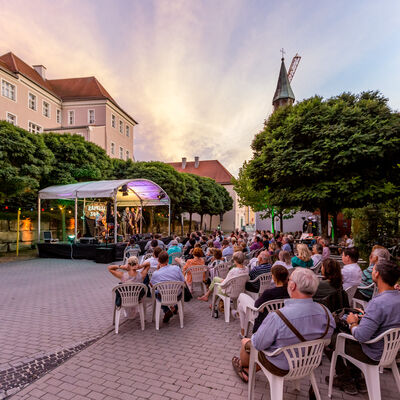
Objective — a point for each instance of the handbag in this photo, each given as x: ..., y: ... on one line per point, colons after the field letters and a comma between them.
x: 341, y: 322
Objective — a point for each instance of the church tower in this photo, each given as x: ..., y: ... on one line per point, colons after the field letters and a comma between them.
x: 283, y: 94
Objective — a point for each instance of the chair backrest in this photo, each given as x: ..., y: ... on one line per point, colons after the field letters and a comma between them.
x: 303, y: 358
x: 228, y: 258
x: 221, y: 270
x: 272, y: 305
x: 172, y: 256
x: 129, y: 252
x: 351, y: 291
x: 197, y: 272
x: 169, y: 291
x: 317, y: 267
x: 129, y: 293
x: 236, y: 285
x: 265, y: 281
x: 148, y: 255
x: 391, y: 346
x: 47, y: 236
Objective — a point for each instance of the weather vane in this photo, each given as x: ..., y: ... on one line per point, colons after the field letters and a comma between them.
x: 283, y: 52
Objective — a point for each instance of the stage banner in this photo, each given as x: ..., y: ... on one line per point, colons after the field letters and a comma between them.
x: 92, y: 209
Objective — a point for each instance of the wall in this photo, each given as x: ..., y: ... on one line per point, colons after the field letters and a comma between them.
x: 289, y: 225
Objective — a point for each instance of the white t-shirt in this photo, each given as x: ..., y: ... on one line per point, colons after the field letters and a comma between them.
x: 287, y: 266
x: 351, y: 275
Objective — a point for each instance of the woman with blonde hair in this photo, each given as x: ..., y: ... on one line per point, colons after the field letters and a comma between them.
x: 303, y: 258
x: 129, y: 273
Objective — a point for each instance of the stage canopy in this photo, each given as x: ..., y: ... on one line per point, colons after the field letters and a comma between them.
x: 138, y: 192
x: 124, y: 192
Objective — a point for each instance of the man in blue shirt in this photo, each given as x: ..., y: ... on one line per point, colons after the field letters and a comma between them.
x: 382, y: 313
x: 263, y: 267
x: 285, y: 245
x: 312, y: 321
x: 166, y: 272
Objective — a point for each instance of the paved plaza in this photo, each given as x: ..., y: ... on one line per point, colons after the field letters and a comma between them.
x: 49, y: 305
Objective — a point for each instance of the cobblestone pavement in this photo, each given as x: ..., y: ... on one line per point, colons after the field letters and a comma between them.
x: 172, y: 363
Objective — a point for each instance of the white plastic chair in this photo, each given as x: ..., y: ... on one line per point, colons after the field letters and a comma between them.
x: 129, y: 252
x: 303, y: 358
x: 129, y: 293
x: 198, y: 272
x: 265, y: 283
x: 169, y: 292
x: 232, y: 287
x: 221, y: 270
x: 351, y: 291
x: 359, y: 303
x: 391, y: 346
x: 252, y: 312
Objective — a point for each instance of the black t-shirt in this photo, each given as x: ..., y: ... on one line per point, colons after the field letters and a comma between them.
x: 269, y: 294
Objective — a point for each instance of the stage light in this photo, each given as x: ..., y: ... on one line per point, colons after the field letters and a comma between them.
x: 6, y: 207
x: 71, y: 238
x: 124, y: 190
x: 69, y: 212
x: 51, y: 209
x: 42, y: 209
x: 161, y: 196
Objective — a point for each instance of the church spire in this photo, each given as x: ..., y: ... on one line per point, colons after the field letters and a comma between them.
x: 283, y: 94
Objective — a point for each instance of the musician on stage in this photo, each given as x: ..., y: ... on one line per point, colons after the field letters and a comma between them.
x: 126, y: 222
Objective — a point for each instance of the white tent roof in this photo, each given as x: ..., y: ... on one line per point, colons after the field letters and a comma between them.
x: 140, y: 191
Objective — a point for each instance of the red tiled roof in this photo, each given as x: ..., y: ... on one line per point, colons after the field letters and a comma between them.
x: 16, y: 65
x: 211, y: 168
x: 80, y: 88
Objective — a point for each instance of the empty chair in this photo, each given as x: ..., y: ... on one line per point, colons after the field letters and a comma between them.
x: 197, y: 272
x: 170, y: 293
x: 131, y: 295
x: 252, y: 312
x: 303, y: 358
x: 265, y: 283
x: 232, y: 289
x: 48, y: 237
x: 371, y: 372
x: 129, y: 252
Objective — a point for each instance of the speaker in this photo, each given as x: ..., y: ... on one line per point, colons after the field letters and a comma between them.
x: 104, y: 255
x: 88, y: 240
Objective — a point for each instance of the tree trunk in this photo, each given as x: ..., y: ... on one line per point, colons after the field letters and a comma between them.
x: 324, y: 222
x: 201, y: 221
x: 190, y: 223
x: 281, y: 221
x: 173, y: 224
x: 210, y: 221
x: 151, y: 219
x: 182, y: 227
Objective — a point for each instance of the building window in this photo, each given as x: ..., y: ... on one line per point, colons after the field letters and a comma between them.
x: 33, y: 128
x: 127, y: 155
x: 113, y: 121
x: 32, y: 101
x: 121, y: 153
x: 127, y: 130
x: 8, y: 90
x: 91, y: 117
x: 112, y: 148
x: 58, y: 116
x: 11, y: 118
x: 71, y: 117
x: 121, y: 127
x: 46, y: 109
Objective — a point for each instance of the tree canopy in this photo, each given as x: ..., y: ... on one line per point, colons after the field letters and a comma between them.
x: 328, y: 154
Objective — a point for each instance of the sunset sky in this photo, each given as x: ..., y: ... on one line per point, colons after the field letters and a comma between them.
x: 199, y: 76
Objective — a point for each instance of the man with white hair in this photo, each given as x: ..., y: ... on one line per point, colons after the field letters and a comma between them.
x: 300, y: 316
x: 285, y: 245
x: 263, y: 267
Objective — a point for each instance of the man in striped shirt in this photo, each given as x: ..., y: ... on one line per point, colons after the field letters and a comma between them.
x: 263, y: 267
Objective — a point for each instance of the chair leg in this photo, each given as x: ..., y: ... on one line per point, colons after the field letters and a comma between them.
x: 142, y: 314
x: 372, y: 379
x: 315, y: 386
x: 213, y: 302
x: 396, y: 374
x: 227, y: 308
x: 252, y: 374
x: 180, y: 311
x: 117, y: 316
x: 158, y: 309
x: 115, y: 308
x: 275, y: 387
x: 332, y: 373
x: 204, y: 288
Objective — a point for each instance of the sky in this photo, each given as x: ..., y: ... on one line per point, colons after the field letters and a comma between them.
x: 199, y: 75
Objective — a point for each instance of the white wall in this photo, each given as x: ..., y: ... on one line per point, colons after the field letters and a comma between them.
x: 289, y: 225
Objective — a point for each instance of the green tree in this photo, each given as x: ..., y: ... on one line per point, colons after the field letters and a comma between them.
x: 24, y: 159
x: 225, y: 201
x: 191, y: 199
x: 75, y: 160
x: 329, y: 154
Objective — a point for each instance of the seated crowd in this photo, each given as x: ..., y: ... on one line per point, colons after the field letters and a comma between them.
x: 309, y: 299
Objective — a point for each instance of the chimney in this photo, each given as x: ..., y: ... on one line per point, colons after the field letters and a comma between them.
x: 196, y: 162
x: 183, y: 162
x: 41, y: 70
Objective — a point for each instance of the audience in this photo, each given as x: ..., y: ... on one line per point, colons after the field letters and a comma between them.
x: 284, y: 259
x: 317, y: 253
x: 174, y: 248
x: 263, y: 267
x: 326, y: 253
x: 196, y: 260
x: 285, y: 245
x: 227, y: 249
x: 312, y: 320
x: 257, y: 244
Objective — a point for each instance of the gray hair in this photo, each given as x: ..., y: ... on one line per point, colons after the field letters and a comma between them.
x: 238, y: 257
x: 265, y: 257
x: 306, y: 280
x: 174, y: 242
x: 382, y: 254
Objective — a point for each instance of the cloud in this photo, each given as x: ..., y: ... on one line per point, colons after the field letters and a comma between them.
x: 199, y: 76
